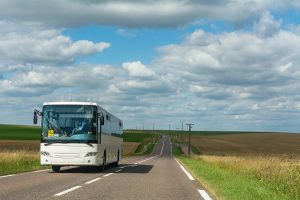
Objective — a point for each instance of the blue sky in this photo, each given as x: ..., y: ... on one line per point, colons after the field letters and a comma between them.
x: 222, y: 65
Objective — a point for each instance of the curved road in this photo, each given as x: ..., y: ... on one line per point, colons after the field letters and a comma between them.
x: 158, y: 176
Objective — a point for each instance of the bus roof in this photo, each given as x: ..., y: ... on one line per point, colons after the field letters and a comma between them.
x: 78, y: 103
x: 71, y: 103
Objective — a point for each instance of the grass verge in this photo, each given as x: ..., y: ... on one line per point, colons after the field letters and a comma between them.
x: 238, y: 179
x: 145, y: 148
x: 230, y: 184
x: 19, y: 161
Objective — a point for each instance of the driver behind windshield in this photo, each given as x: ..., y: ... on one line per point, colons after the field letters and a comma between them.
x: 86, y: 126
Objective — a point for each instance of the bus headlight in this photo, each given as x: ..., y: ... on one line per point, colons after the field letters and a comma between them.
x: 91, y: 154
x: 45, y: 153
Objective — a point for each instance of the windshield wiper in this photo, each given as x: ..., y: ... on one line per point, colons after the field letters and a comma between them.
x: 89, y: 144
x: 85, y: 142
x: 56, y: 141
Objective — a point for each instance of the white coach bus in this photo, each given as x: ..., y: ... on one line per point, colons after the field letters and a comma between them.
x: 79, y: 134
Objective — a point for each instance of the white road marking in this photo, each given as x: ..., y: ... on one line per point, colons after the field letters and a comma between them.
x: 162, y: 148
x: 123, y: 167
x: 119, y: 170
x: 145, y: 160
x: 108, y: 174
x: 204, y: 195
x: 43, y: 170
x: 92, y: 181
x: 186, y: 172
x: 68, y: 190
x: 7, y: 175
x: 153, y: 148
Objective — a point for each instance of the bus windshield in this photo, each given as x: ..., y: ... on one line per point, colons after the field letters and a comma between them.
x: 69, y: 123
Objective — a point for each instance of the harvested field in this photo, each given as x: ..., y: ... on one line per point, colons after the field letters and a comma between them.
x: 248, y: 144
x: 16, y: 145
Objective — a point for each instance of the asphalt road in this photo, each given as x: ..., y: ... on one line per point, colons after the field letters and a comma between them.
x: 158, y: 176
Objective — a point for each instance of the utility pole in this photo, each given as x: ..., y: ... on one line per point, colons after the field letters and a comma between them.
x: 190, y: 128
x: 143, y: 127
x: 169, y: 128
x: 181, y: 131
x: 153, y: 128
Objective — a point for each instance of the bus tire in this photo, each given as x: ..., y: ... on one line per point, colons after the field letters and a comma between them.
x: 118, y: 159
x: 103, y: 166
x: 55, y: 168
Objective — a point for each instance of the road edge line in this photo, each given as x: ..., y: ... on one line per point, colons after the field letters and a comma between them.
x: 185, y: 171
x: 9, y: 175
x: 204, y: 195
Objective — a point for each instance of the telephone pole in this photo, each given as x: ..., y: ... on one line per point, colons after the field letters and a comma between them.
x: 190, y: 128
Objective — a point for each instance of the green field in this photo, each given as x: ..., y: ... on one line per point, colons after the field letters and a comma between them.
x: 19, y: 132
x: 130, y: 136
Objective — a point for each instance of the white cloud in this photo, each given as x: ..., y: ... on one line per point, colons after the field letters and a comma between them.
x: 240, y: 79
x: 25, y: 45
x: 267, y: 26
x: 131, y: 13
x: 138, y: 69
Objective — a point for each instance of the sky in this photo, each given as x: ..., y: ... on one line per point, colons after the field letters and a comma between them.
x: 229, y: 65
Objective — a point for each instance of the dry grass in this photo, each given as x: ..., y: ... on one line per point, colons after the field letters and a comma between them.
x: 34, y: 146
x: 280, y: 172
x: 18, y: 161
x: 16, y: 145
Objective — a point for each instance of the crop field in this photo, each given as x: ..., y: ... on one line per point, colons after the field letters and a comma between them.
x: 248, y: 144
x: 19, y: 132
x: 130, y: 136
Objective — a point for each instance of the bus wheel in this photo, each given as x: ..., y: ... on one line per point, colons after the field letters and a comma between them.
x: 118, y: 159
x: 55, y: 168
x: 104, y: 162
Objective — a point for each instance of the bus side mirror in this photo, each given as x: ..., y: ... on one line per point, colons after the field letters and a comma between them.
x: 35, y: 118
x: 101, y: 120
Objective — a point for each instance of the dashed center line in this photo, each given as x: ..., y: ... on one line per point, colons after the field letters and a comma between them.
x: 108, y: 174
x: 68, y: 190
x: 92, y: 181
x: 145, y: 160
